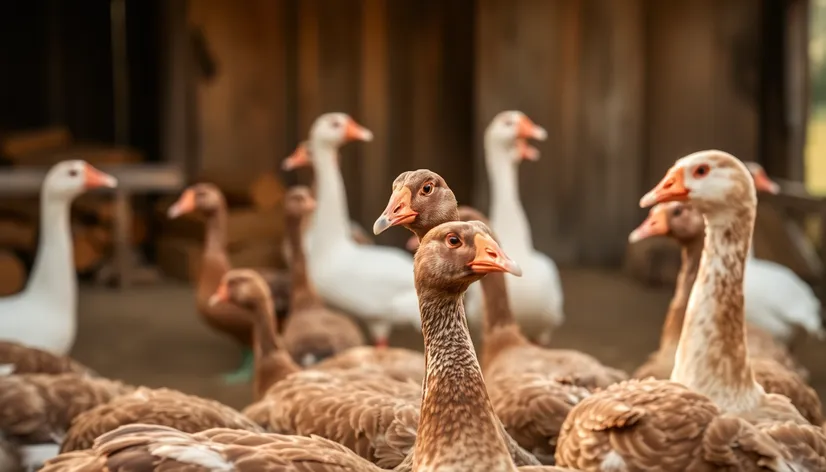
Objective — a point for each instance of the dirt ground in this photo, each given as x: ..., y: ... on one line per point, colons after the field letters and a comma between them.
x: 153, y: 336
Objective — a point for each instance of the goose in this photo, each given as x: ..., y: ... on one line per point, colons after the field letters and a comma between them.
x: 16, y: 358
x: 312, y: 332
x: 456, y: 432
x: 44, y: 314
x: 381, y: 291
x: 711, y: 414
x: 774, y: 368
x: 537, y: 298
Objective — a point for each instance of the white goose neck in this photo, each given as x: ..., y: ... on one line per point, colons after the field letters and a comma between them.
x: 53, y: 275
x: 712, y: 355
x: 507, y: 216
x: 330, y: 221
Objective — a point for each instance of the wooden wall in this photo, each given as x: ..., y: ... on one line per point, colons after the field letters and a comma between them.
x: 623, y: 88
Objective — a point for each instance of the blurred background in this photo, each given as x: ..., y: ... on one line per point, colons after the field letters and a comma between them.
x: 173, y: 92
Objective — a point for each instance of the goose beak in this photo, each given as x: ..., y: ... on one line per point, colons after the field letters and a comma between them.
x: 490, y: 258
x: 527, y: 129
x: 93, y: 178
x: 655, y: 225
x: 670, y: 189
x: 221, y: 295
x: 356, y: 132
x: 299, y: 158
x: 763, y: 183
x: 185, y: 204
x: 398, y: 211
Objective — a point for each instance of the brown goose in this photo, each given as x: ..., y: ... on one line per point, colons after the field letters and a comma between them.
x: 364, y: 410
x: 530, y: 387
x: 456, y: 432
x: 774, y: 368
x: 677, y: 425
x: 17, y: 358
x: 209, y: 200
x: 164, y: 407
x: 312, y: 332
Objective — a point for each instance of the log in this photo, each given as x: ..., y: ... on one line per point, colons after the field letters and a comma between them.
x: 244, y: 225
x: 179, y: 258
x: 18, y: 234
x: 100, y: 208
x: 12, y: 273
x: 89, y: 244
x: 264, y: 192
x: 16, y: 145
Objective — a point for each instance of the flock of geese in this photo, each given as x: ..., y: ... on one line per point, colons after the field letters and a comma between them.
x: 722, y: 392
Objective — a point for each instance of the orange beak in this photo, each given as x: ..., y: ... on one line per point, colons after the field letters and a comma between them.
x: 763, y: 183
x: 527, y: 129
x: 670, y: 189
x: 412, y: 243
x: 655, y: 225
x: 490, y: 258
x: 299, y: 158
x: 221, y: 295
x: 398, y: 211
x: 93, y: 178
x: 185, y: 204
x: 356, y: 132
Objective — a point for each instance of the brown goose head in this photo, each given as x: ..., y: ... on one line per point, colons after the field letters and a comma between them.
x: 204, y: 197
x: 246, y: 289
x: 421, y: 200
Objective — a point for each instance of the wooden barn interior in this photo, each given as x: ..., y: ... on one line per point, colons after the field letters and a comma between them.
x: 168, y: 92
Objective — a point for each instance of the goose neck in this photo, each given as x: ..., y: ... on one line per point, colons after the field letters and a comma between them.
x: 330, y: 220
x: 272, y: 362
x: 507, y: 215
x: 303, y: 295
x: 215, y: 239
x: 712, y: 355
x: 692, y: 252
x: 53, y: 274
x: 457, y: 419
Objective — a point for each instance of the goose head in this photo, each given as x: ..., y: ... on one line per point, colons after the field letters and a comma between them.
x: 509, y: 131
x: 244, y: 288
x: 716, y: 182
x: 204, y: 197
x: 466, y: 213
x: 421, y: 200
x: 457, y: 253
x: 68, y: 179
x: 762, y: 182
x: 299, y: 201
x: 678, y: 220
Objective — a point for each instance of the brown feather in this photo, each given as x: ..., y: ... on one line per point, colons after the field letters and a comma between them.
x: 30, y: 360
x: 38, y: 408
x: 165, y: 407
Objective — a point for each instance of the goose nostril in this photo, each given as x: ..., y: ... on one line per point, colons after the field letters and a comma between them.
x: 492, y: 253
x: 398, y: 208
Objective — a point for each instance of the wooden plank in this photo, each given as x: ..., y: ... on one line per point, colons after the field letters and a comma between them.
x: 798, y: 87
x: 16, y: 145
x: 612, y: 134
x: 12, y: 273
x: 242, y: 107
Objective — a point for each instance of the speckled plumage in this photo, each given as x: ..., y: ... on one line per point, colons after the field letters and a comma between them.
x: 30, y: 360
x: 165, y: 407
x: 39, y: 408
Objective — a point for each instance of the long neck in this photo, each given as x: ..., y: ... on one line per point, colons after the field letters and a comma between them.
x: 272, y: 362
x: 507, y: 215
x: 214, y: 262
x: 331, y: 218
x: 53, y: 275
x: 303, y: 295
x: 500, y: 328
x: 712, y: 356
x: 457, y: 421
x: 672, y: 328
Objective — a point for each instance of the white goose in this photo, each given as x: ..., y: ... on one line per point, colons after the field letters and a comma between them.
x: 44, y: 314
x: 372, y: 282
x: 537, y: 297
x: 776, y: 299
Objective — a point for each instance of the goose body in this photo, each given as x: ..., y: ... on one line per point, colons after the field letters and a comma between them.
x: 44, y: 314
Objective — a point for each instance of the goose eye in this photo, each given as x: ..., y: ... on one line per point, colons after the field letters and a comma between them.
x: 335, y: 124
x: 677, y: 212
x: 427, y: 188
x: 701, y: 171
x: 453, y: 241
x: 508, y: 122
x: 73, y: 173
